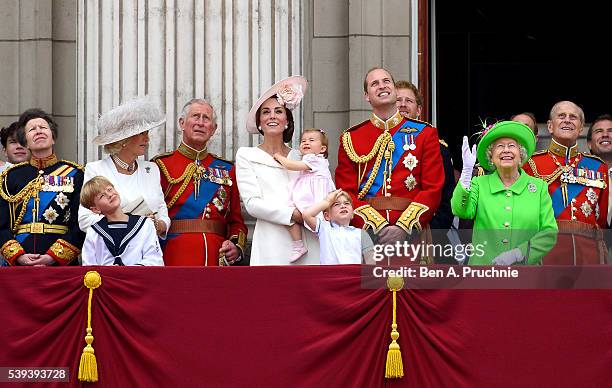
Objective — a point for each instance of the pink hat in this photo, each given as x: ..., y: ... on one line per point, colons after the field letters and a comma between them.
x: 289, y: 93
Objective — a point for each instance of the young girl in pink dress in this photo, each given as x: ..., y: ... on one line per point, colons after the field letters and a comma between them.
x: 313, y: 183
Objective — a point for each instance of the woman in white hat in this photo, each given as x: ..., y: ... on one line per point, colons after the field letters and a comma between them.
x: 124, y: 133
x: 263, y: 182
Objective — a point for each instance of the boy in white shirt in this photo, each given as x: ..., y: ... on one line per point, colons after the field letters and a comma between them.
x: 339, y: 242
x: 118, y: 238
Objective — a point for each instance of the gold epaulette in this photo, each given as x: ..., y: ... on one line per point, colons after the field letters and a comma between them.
x: 443, y: 143
x: 357, y: 126
x: 222, y: 159
x: 162, y: 155
x: 585, y: 155
x: 73, y: 164
x: 420, y: 121
x: 11, y: 167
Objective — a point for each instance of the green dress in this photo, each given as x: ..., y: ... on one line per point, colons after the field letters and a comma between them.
x: 506, y: 218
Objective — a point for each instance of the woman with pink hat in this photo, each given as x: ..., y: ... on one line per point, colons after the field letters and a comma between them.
x: 264, y: 183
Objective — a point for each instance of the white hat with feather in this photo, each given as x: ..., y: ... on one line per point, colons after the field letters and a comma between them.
x: 128, y: 119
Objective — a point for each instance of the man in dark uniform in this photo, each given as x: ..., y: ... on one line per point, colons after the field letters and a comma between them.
x: 410, y: 104
x: 578, y: 186
x: 391, y: 166
x: 39, y: 200
x: 202, y: 196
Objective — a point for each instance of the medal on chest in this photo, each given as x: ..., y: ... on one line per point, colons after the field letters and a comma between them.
x: 409, y: 143
x: 54, y: 183
x: 410, y: 161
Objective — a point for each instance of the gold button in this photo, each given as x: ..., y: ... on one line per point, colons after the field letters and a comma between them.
x: 388, y: 187
x: 207, y: 215
x: 388, y: 195
x: 505, y: 241
x: 506, y: 224
x: 573, y: 217
x: 508, y: 194
x: 508, y: 208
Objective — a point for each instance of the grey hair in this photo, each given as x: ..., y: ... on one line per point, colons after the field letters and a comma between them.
x: 114, y: 147
x: 554, y: 109
x: 522, y: 153
x: 202, y: 101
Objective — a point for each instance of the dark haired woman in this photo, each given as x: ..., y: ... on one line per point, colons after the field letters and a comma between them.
x: 264, y: 183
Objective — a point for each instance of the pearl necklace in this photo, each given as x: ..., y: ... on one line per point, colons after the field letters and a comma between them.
x: 129, y: 167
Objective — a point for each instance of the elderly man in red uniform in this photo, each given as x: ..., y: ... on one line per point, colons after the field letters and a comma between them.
x: 202, y: 196
x: 390, y: 165
x: 578, y: 186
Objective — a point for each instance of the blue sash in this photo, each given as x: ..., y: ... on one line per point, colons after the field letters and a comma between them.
x: 398, y: 139
x: 192, y: 208
x: 45, y: 198
x: 573, y: 189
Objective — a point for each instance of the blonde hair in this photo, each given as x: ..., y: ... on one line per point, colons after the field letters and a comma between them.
x: 342, y: 194
x: 92, y: 188
x: 115, y: 147
x: 324, y: 139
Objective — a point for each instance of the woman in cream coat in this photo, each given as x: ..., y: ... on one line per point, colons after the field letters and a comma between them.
x: 124, y: 132
x: 264, y: 184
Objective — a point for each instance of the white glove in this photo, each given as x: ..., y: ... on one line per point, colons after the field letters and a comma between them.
x: 469, y: 160
x: 509, y: 257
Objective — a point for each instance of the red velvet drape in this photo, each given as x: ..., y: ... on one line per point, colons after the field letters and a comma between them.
x: 299, y: 327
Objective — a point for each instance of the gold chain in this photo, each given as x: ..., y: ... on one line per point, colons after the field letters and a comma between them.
x: 378, y: 150
x: 22, y: 197
x: 556, y: 173
x: 380, y: 143
x: 184, y: 179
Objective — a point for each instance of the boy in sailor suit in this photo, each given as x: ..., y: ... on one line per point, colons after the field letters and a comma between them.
x: 118, y: 238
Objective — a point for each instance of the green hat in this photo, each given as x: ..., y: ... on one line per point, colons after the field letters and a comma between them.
x: 512, y: 129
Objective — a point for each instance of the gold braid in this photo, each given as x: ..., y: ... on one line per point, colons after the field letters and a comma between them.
x: 378, y: 150
x: 184, y: 179
x: 547, y: 178
x: 22, y: 197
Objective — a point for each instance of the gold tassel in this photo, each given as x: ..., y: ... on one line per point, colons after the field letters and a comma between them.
x: 88, y: 367
x: 394, y: 368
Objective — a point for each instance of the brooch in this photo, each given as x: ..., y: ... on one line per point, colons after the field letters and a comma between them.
x: 586, y: 208
x: 410, y: 161
x: 61, y: 200
x: 50, y: 215
x: 532, y: 187
x: 591, y: 195
x: 410, y: 182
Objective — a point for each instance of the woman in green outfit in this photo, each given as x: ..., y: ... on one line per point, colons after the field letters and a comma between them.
x: 512, y: 211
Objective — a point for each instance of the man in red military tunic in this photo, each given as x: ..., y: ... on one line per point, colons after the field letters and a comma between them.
x: 578, y: 185
x: 202, y: 196
x: 390, y: 165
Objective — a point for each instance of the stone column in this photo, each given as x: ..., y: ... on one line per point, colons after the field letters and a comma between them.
x: 227, y: 51
x: 346, y: 38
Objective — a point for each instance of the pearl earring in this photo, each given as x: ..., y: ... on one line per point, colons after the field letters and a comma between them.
x: 259, y: 127
x: 123, y: 144
x: 286, y: 126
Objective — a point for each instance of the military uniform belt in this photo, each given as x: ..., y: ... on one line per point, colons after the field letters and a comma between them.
x: 198, y: 226
x: 580, y: 229
x: 41, y: 228
x: 389, y: 203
